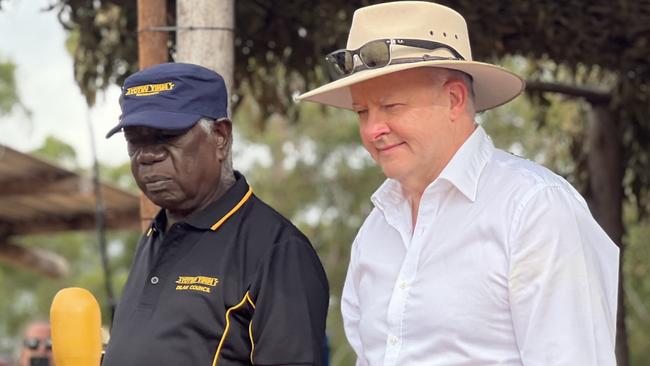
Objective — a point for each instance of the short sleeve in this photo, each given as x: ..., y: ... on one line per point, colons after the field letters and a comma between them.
x: 290, y: 295
x: 563, y: 282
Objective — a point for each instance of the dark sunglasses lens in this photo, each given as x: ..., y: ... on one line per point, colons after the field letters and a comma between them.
x: 339, y: 64
x: 34, y: 343
x: 31, y: 343
x: 375, y: 54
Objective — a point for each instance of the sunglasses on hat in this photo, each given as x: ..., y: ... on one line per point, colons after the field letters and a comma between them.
x: 34, y: 343
x: 377, y: 53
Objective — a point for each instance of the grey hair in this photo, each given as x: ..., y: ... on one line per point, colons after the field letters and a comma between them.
x: 226, y: 165
x: 450, y: 74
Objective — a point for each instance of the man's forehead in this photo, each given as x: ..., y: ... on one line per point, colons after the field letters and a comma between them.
x: 38, y: 330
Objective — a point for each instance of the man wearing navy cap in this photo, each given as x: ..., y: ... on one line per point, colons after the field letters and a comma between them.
x: 219, y: 278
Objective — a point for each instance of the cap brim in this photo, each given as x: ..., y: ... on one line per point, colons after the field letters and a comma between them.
x: 157, y: 119
x: 493, y: 85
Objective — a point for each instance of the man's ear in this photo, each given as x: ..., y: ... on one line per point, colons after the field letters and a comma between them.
x: 458, y: 98
x: 222, y: 131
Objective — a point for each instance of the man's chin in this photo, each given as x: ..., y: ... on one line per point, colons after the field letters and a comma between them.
x: 164, y: 199
x: 392, y: 171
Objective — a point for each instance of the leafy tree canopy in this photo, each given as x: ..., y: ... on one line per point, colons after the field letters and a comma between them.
x: 58, y: 151
x: 8, y: 91
x: 280, y: 44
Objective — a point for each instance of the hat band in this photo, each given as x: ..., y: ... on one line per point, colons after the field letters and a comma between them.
x: 378, y: 53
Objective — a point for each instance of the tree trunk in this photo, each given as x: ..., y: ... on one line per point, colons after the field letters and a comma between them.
x: 606, y: 198
x: 152, y: 50
x: 205, y: 35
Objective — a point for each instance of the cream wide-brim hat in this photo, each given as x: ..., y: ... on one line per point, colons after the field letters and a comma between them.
x: 493, y: 85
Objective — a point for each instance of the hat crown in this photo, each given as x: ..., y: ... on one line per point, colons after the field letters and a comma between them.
x: 410, y: 20
x: 179, y: 87
x: 424, y: 21
x: 172, y: 96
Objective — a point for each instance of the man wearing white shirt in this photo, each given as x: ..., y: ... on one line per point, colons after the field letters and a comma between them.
x: 471, y: 256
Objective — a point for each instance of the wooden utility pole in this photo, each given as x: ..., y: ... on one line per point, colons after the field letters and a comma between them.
x: 152, y: 41
x: 152, y: 50
x: 205, y: 35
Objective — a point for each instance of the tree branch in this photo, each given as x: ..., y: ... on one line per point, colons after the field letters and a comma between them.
x: 591, y: 95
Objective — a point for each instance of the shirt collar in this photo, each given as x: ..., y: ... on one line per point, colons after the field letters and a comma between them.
x: 159, y: 222
x: 220, y: 210
x: 465, y: 167
x: 217, y: 212
x: 463, y: 171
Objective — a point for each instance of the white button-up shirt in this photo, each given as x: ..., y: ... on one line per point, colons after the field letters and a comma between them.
x: 505, y: 266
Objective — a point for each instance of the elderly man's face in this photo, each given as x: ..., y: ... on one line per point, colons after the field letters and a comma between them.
x: 178, y: 170
x: 404, y: 123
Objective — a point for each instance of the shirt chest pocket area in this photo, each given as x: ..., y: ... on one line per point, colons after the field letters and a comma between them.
x: 192, y: 297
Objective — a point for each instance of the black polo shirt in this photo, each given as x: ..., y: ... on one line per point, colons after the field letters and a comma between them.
x: 234, y: 284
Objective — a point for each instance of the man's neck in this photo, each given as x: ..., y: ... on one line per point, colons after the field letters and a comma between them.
x: 413, y: 186
x: 174, y: 216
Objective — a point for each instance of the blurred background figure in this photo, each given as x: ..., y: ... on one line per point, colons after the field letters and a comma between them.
x: 5, y: 361
x: 37, y: 345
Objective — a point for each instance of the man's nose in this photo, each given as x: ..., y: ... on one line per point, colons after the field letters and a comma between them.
x: 151, y: 154
x: 377, y: 125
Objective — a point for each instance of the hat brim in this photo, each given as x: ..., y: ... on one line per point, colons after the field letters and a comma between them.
x: 157, y: 119
x: 493, y: 85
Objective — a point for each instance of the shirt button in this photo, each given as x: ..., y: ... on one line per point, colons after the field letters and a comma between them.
x: 154, y: 280
x: 392, y: 340
x: 402, y: 285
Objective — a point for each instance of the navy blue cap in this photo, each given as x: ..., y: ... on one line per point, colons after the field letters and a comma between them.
x: 171, y: 96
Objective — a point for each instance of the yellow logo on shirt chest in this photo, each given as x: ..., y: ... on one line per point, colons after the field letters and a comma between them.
x: 196, y: 283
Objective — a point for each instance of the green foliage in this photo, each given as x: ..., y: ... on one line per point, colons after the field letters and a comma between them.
x: 546, y: 128
x: 8, y: 92
x: 27, y: 296
x: 58, y: 151
x: 637, y: 287
x: 102, y: 41
x: 119, y: 175
x: 9, y: 99
x: 279, y: 47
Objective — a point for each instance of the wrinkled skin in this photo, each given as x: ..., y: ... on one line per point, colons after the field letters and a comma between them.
x: 179, y: 171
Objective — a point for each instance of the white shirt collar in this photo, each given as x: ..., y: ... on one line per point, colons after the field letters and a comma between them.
x: 463, y: 171
x: 465, y: 168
